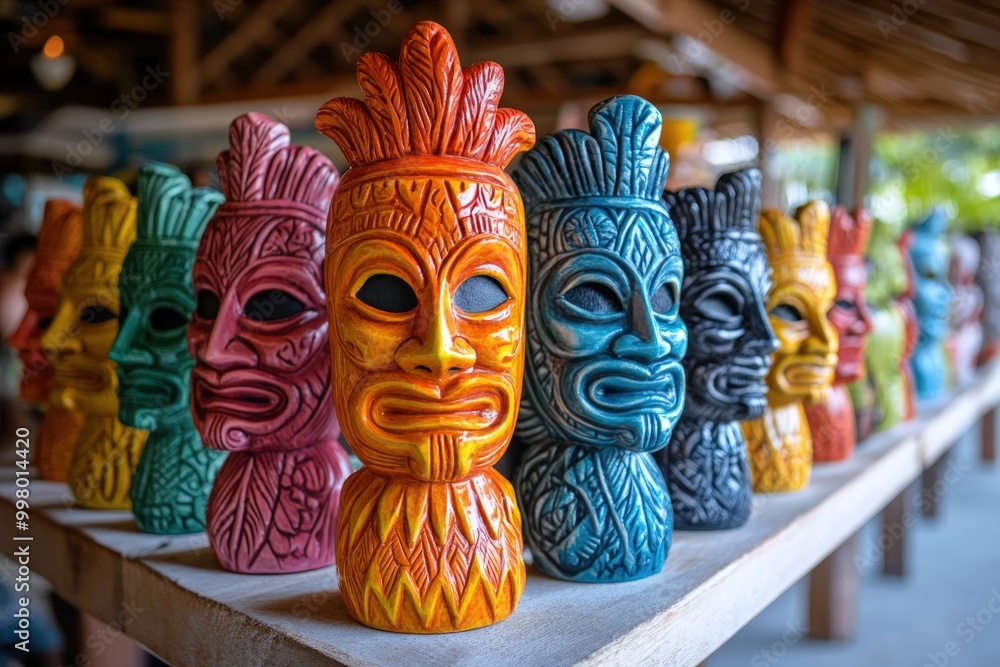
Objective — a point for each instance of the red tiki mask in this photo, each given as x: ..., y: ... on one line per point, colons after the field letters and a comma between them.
x: 426, y: 277
x: 832, y: 421
x: 59, y: 242
x: 261, y: 380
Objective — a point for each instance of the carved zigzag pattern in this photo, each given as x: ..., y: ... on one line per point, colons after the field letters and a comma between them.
x: 429, y: 558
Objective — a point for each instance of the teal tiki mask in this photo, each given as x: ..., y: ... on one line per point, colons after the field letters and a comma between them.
x: 175, y: 473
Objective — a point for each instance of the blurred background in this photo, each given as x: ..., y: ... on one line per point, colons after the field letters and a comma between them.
x: 888, y: 104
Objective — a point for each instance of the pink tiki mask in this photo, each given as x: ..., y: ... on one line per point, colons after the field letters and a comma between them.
x: 261, y: 380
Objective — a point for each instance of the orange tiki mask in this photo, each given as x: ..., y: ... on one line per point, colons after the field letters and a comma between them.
x: 780, y: 444
x: 78, y: 343
x: 59, y: 243
x: 425, y: 278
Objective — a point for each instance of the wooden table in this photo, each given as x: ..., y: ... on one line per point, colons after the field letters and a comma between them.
x: 170, y: 595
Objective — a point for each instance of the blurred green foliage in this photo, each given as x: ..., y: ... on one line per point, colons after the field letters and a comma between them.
x: 959, y: 170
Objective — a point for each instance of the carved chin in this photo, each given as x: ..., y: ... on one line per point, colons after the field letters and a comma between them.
x: 736, y: 390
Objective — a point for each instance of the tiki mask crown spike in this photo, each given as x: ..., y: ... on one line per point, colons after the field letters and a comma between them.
x: 701, y: 215
x: 804, y: 236
x: 61, y: 236
x: 261, y: 165
x: 108, y: 212
x: 849, y: 233
x: 934, y: 224
x: 426, y: 105
x: 170, y: 209
x: 621, y: 157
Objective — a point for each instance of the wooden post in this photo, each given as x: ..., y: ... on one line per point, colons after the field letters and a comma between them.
x: 184, y: 43
x: 930, y: 497
x: 895, y: 523
x: 833, y: 594
x: 988, y: 433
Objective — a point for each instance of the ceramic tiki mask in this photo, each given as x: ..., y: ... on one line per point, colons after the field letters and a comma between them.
x: 261, y: 380
x: 727, y: 278
x: 986, y: 278
x: 883, y: 393
x: 78, y: 343
x: 604, y: 386
x: 426, y: 272
x: 966, y: 338
x: 832, y: 421
x: 59, y: 241
x: 779, y: 443
x: 175, y: 473
x: 931, y: 257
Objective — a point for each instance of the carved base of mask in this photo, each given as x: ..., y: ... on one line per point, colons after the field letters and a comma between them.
x: 964, y: 346
x: 173, y: 481
x: 429, y: 558
x: 707, y: 475
x: 276, y: 512
x: 930, y: 369
x: 57, y: 436
x: 103, y: 464
x: 780, y: 448
x: 832, y: 426
x: 594, y: 515
x: 862, y: 395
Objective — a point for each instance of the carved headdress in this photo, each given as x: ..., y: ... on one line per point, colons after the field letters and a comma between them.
x: 109, y: 216
x: 171, y: 212
x: 423, y: 117
x: 262, y: 169
x: 799, y: 239
x: 719, y: 223
x: 59, y: 242
x: 849, y: 232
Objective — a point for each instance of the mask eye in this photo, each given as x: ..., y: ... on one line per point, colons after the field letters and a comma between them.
x: 719, y: 306
x: 845, y: 305
x: 787, y: 313
x: 167, y: 319
x: 45, y: 323
x: 480, y: 294
x: 594, y: 298
x: 663, y: 299
x: 272, y: 306
x: 388, y: 293
x: 208, y: 305
x: 96, y: 315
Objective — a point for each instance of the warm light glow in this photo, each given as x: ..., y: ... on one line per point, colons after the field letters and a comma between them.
x: 54, y: 47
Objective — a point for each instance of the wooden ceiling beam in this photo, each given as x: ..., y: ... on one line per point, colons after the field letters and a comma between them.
x: 296, y: 48
x: 718, y: 29
x: 795, y: 21
x: 248, y: 32
x: 591, y: 45
x: 184, y: 28
x: 137, y: 20
x: 884, y: 26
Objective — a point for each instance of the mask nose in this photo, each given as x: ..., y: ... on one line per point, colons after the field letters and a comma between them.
x: 63, y: 335
x: 223, y: 350
x: 126, y: 348
x: 642, y: 342
x: 440, y: 354
x: 760, y: 337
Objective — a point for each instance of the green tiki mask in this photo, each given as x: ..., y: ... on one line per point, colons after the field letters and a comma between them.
x: 175, y: 473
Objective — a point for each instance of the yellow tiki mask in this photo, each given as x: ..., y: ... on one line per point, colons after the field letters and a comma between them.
x: 78, y: 342
x: 779, y: 443
x: 426, y: 278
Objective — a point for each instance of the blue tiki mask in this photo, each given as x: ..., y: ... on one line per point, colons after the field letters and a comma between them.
x: 603, y: 381
x: 931, y: 257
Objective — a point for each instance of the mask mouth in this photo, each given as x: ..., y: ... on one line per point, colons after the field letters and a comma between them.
x: 247, y: 394
x: 803, y: 374
x: 147, y: 389
x: 473, y: 404
x: 82, y: 372
x: 634, y: 388
x: 745, y: 378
